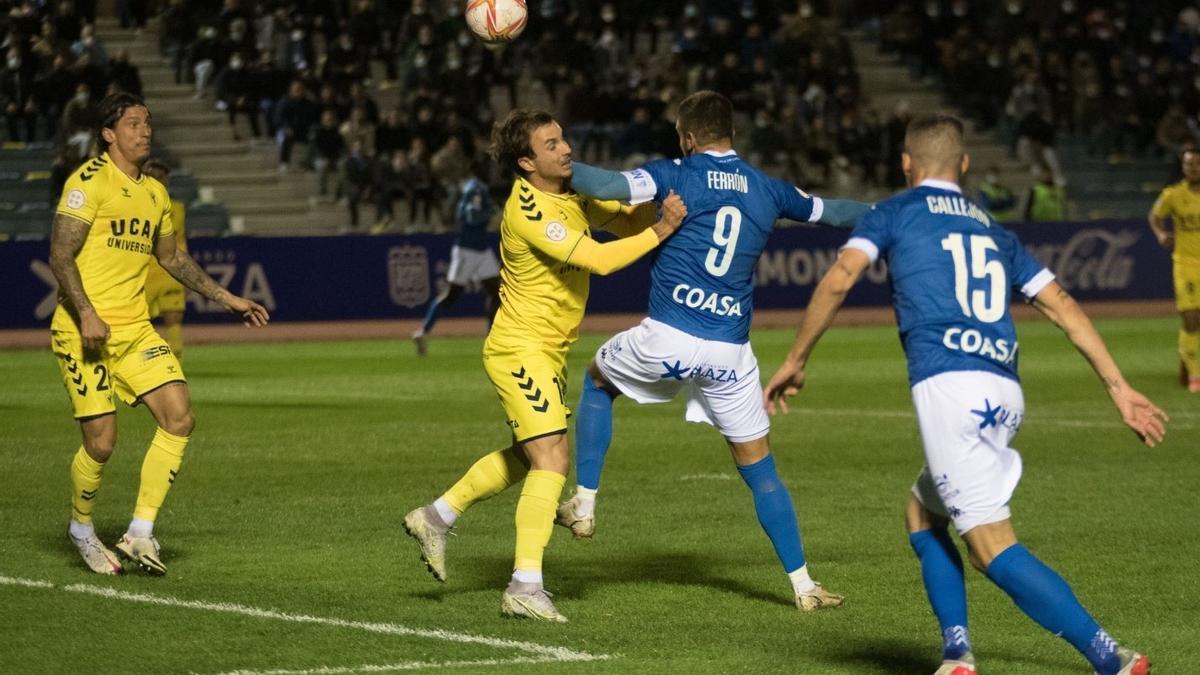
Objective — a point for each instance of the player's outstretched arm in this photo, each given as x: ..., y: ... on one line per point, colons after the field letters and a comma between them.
x: 1138, y: 412
x: 827, y: 299
x: 611, y: 256
x: 599, y: 183
x: 67, y: 235
x: 842, y: 212
x: 181, y: 266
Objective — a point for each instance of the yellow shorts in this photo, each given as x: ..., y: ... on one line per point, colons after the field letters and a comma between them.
x: 1187, y: 285
x: 134, y: 362
x: 532, y: 387
x: 164, y: 294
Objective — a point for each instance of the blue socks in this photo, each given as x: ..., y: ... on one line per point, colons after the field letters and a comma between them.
x: 942, y: 571
x: 775, y: 511
x: 593, y: 432
x: 1043, y: 595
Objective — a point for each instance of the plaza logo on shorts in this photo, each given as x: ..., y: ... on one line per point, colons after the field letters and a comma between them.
x: 408, y: 275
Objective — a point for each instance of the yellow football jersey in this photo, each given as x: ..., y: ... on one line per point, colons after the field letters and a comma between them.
x: 127, y: 217
x: 1182, y: 206
x: 542, y: 296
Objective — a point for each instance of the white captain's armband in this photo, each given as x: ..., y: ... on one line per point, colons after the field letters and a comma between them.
x: 1037, y: 283
x: 641, y: 186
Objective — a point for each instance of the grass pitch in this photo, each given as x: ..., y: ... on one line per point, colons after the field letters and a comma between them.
x: 285, y: 551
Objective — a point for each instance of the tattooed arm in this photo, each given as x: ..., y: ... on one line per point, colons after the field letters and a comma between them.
x: 1137, y: 411
x: 181, y: 266
x: 67, y: 235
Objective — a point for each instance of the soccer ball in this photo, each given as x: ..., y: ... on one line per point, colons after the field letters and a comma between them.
x: 496, y: 21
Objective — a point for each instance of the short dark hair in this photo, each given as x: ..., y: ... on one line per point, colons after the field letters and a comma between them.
x: 1188, y: 150
x: 511, y: 136
x: 936, y: 140
x: 112, y: 109
x: 707, y: 115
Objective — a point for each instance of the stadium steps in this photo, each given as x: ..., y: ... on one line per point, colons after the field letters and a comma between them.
x: 239, y: 175
x: 888, y: 84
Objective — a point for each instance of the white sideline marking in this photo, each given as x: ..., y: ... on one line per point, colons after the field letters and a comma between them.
x: 707, y: 476
x: 541, y: 653
x: 393, y: 667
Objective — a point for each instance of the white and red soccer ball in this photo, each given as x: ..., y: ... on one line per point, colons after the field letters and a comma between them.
x: 496, y: 21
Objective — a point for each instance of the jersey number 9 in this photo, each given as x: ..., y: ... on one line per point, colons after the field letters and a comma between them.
x: 725, y: 234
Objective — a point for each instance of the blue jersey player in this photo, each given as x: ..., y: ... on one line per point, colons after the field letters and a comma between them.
x: 471, y: 258
x: 696, y: 337
x: 953, y: 270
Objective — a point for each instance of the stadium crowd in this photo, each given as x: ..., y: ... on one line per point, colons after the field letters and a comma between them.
x: 1121, y: 76
x: 312, y: 74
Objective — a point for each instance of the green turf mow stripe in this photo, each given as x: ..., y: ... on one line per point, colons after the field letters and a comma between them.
x: 403, y: 665
x: 544, y: 653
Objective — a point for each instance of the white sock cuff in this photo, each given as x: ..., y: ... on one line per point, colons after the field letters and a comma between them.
x: 586, y: 493
x: 527, y: 576
x: 81, y: 530
x: 141, y: 528
x: 447, y: 514
x: 801, y: 582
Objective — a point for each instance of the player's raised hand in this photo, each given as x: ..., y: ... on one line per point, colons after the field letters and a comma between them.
x: 673, y: 213
x: 252, y: 313
x: 785, y: 383
x: 1147, y: 420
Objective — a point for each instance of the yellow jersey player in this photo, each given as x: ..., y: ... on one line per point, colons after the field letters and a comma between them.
x: 548, y: 254
x: 111, y: 220
x: 1180, y: 204
x: 164, y: 295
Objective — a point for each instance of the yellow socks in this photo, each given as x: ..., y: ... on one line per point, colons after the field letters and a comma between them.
x: 488, y: 477
x: 158, y: 473
x: 85, y: 482
x: 1189, y: 351
x: 535, y: 517
x: 173, y: 334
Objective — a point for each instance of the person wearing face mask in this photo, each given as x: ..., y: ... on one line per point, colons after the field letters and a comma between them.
x: 78, y: 119
x: 16, y: 97
x: 206, y: 56
x: 88, y: 44
x: 236, y: 92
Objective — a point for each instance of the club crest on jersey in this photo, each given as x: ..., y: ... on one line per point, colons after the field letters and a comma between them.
x: 556, y: 231
x: 76, y: 198
x: 408, y: 275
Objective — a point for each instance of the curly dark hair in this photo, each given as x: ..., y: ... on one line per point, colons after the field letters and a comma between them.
x: 112, y: 109
x: 511, y: 137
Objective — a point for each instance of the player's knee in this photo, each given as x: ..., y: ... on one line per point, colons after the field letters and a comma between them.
x: 180, y: 424
x: 99, y: 451
x: 1191, y: 321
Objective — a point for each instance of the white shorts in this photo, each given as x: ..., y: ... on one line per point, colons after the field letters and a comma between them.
x: 967, y: 419
x: 652, y: 361
x: 468, y: 266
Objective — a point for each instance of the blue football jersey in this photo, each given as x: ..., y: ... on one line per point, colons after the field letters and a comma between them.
x: 702, y: 279
x: 953, y: 270
x: 472, y: 213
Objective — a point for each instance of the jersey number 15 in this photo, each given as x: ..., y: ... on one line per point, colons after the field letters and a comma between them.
x: 988, y: 305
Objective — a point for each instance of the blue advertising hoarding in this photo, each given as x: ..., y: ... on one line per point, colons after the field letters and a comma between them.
x: 387, y: 277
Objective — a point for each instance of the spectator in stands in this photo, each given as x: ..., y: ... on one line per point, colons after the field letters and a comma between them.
x: 16, y: 97
x: 359, y: 130
x: 343, y: 63
x: 392, y: 134
x: 89, y: 45
x: 1046, y: 200
x: 176, y: 26
x: 996, y: 197
x: 294, y: 117
x: 124, y: 73
x: 237, y: 92
x: 360, y: 99
x: 53, y: 87
x: 355, y: 176
x: 328, y: 148
x: 77, y: 128
x: 67, y: 23
x: 423, y: 203
x: 133, y: 13
x: 451, y: 166
x: 392, y: 182
x: 206, y: 56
